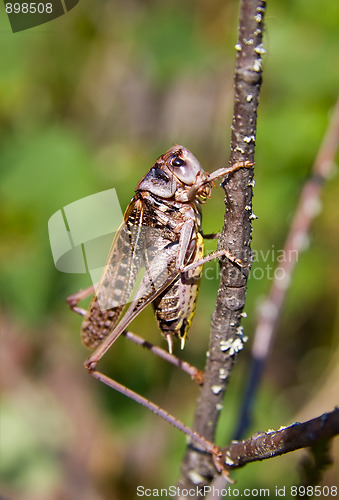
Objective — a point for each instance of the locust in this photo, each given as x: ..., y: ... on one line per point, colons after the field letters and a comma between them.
x: 157, y: 258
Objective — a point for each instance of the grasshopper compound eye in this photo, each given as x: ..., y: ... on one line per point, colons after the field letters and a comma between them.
x: 177, y: 162
x: 183, y: 164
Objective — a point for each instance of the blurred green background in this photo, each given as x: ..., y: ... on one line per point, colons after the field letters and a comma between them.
x: 87, y: 103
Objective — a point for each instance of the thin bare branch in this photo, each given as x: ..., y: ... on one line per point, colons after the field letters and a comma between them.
x: 316, y: 434
x: 274, y: 443
x: 307, y: 209
x: 226, y: 333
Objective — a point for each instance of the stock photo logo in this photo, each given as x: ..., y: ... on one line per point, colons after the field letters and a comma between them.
x: 82, y: 232
x: 23, y: 15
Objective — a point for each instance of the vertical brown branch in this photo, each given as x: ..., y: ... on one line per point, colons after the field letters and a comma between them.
x: 226, y: 334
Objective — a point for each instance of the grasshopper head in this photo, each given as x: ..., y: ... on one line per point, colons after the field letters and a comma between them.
x: 178, y: 174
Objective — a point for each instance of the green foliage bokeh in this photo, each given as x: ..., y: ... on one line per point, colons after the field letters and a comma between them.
x: 88, y: 102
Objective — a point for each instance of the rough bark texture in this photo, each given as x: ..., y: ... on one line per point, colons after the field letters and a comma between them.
x: 226, y: 333
x: 270, y: 444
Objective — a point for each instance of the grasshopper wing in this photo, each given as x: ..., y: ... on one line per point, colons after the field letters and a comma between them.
x: 118, y: 279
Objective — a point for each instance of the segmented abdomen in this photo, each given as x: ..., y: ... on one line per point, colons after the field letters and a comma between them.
x: 175, y: 307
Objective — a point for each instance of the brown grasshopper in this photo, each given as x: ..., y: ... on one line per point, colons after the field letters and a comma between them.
x: 161, y: 233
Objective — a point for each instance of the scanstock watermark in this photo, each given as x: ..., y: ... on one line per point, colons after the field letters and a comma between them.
x: 81, y: 235
x: 201, y: 492
x: 323, y: 491
x: 24, y: 15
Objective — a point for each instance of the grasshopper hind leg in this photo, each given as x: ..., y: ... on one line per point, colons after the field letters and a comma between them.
x: 197, y: 438
x: 191, y: 370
